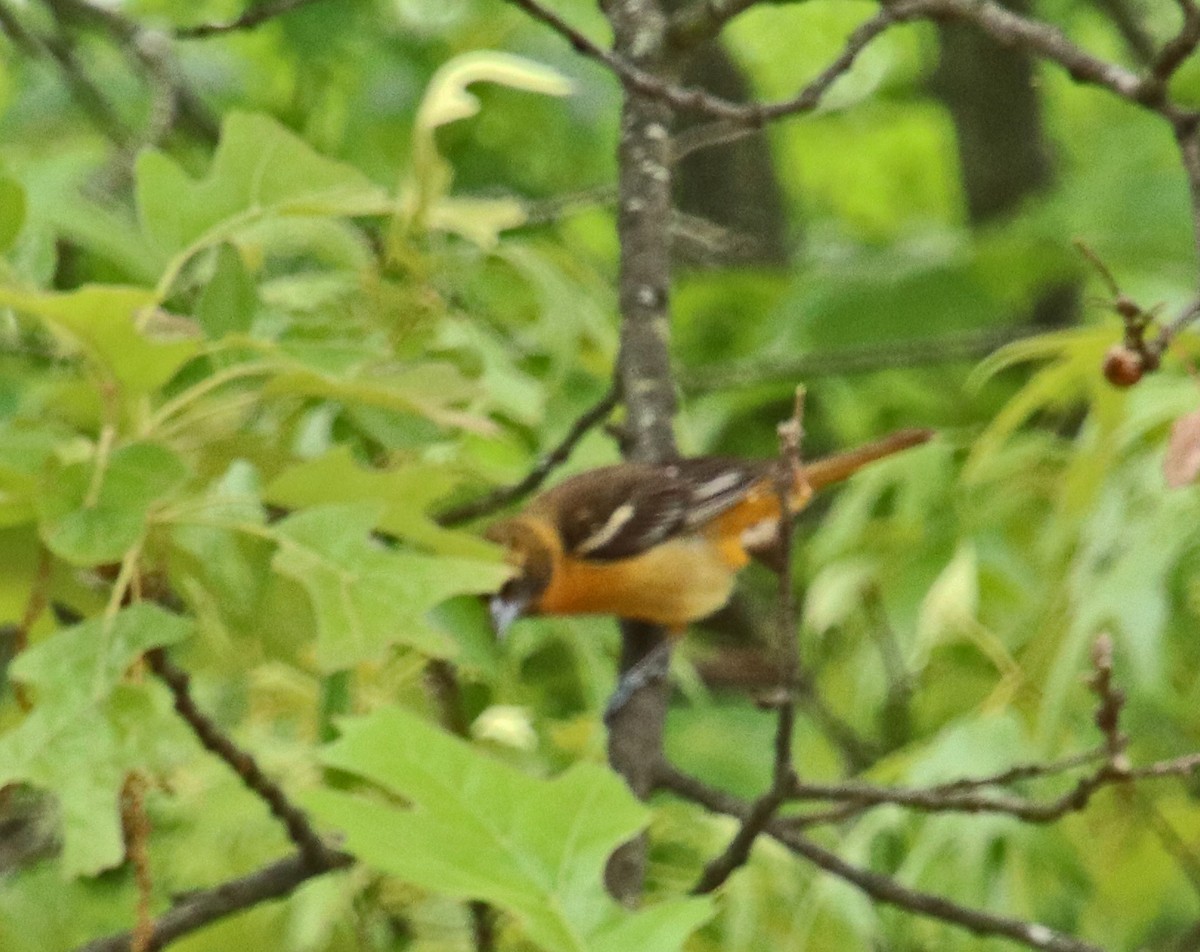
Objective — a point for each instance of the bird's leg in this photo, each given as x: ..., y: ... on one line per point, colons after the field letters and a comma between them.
x: 653, y: 666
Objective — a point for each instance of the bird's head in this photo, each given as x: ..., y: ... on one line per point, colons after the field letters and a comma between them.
x: 532, y: 557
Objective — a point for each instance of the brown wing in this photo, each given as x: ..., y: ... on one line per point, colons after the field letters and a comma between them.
x: 621, y: 511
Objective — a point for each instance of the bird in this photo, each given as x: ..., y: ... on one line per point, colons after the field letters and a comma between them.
x: 660, y: 543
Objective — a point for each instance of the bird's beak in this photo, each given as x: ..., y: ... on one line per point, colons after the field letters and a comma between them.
x: 504, y: 612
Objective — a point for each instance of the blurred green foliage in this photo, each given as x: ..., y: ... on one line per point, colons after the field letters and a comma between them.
x: 365, y: 302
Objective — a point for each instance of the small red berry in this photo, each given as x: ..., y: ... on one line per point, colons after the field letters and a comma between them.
x: 1123, y: 367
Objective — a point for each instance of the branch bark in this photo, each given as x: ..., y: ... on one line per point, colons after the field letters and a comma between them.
x: 198, y: 909
x: 643, y: 375
x: 299, y: 828
x: 497, y: 499
x: 879, y: 887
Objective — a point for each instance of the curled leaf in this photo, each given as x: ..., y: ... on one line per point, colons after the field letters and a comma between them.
x: 447, y: 100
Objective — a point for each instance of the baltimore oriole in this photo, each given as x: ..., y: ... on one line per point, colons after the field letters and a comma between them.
x: 657, y: 543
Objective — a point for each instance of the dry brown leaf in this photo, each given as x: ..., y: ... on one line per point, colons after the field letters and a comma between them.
x: 1182, y: 462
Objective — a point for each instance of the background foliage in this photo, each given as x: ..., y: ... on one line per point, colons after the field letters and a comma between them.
x: 350, y: 290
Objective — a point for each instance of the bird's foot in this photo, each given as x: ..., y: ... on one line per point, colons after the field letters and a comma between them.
x: 653, y: 666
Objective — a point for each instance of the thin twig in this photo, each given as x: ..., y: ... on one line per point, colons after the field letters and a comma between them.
x: 1129, y: 24
x: 205, y: 906
x: 882, y: 888
x: 548, y: 210
x: 1174, y: 844
x: 783, y: 774
x: 1179, y: 47
x: 934, y: 800
x: 754, y: 821
x: 300, y: 830
x: 701, y: 21
x: 1111, y: 701
x: 1187, y: 135
x: 1183, y: 766
x: 966, y: 796
x: 255, y: 16
x: 791, y: 497
x: 1002, y: 24
x: 1027, y: 771
x: 895, y: 718
x: 696, y: 100
x: 441, y: 677
x: 887, y: 890
x: 707, y: 136
x: 852, y: 805
x: 1186, y: 317
x: 86, y: 93
x: 150, y: 52
x: 965, y: 346
x: 501, y: 497
x: 135, y: 825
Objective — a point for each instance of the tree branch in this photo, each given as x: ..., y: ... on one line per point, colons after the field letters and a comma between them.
x: 300, y: 830
x: 887, y: 890
x: 1130, y: 26
x: 851, y: 807
x: 83, y: 90
x: 198, y: 909
x: 1187, y: 135
x: 783, y: 775
x: 1181, y: 46
x: 254, y: 17
x: 701, y: 21
x: 206, y: 906
x: 1001, y: 24
x: 936, y: 800
x: 879, y: 887
x: 957, y: 796
x: 647, y: 83
x: 968, y: 345
x: 593, y: 416
x: 150, y: 52
x: 441, y: 677
x: 643, y: 377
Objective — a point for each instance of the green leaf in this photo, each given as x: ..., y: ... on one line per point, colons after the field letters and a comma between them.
x: 227, y: 303
x: 222, y: 571
x: 479, y: 220
x: 479, y: 829
x: 87, y: 729
x: 1071, y: 374
x: 446, y: 100
x: 951, y: 606
x: 108, y: 233
x: 260, y: 169
x: 837, y: 592
x: 81, y: 665
x: 430, y: 390
x: 114, y: 325
x: 24, y: 453
x: 90, y: 523
x: 406, y: 493
x: 365, y: 596
x: 12, y: 212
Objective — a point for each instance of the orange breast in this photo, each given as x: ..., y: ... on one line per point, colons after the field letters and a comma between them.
x: 672, y: 584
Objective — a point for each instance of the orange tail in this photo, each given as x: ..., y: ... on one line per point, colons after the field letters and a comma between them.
x: 833, y: 469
